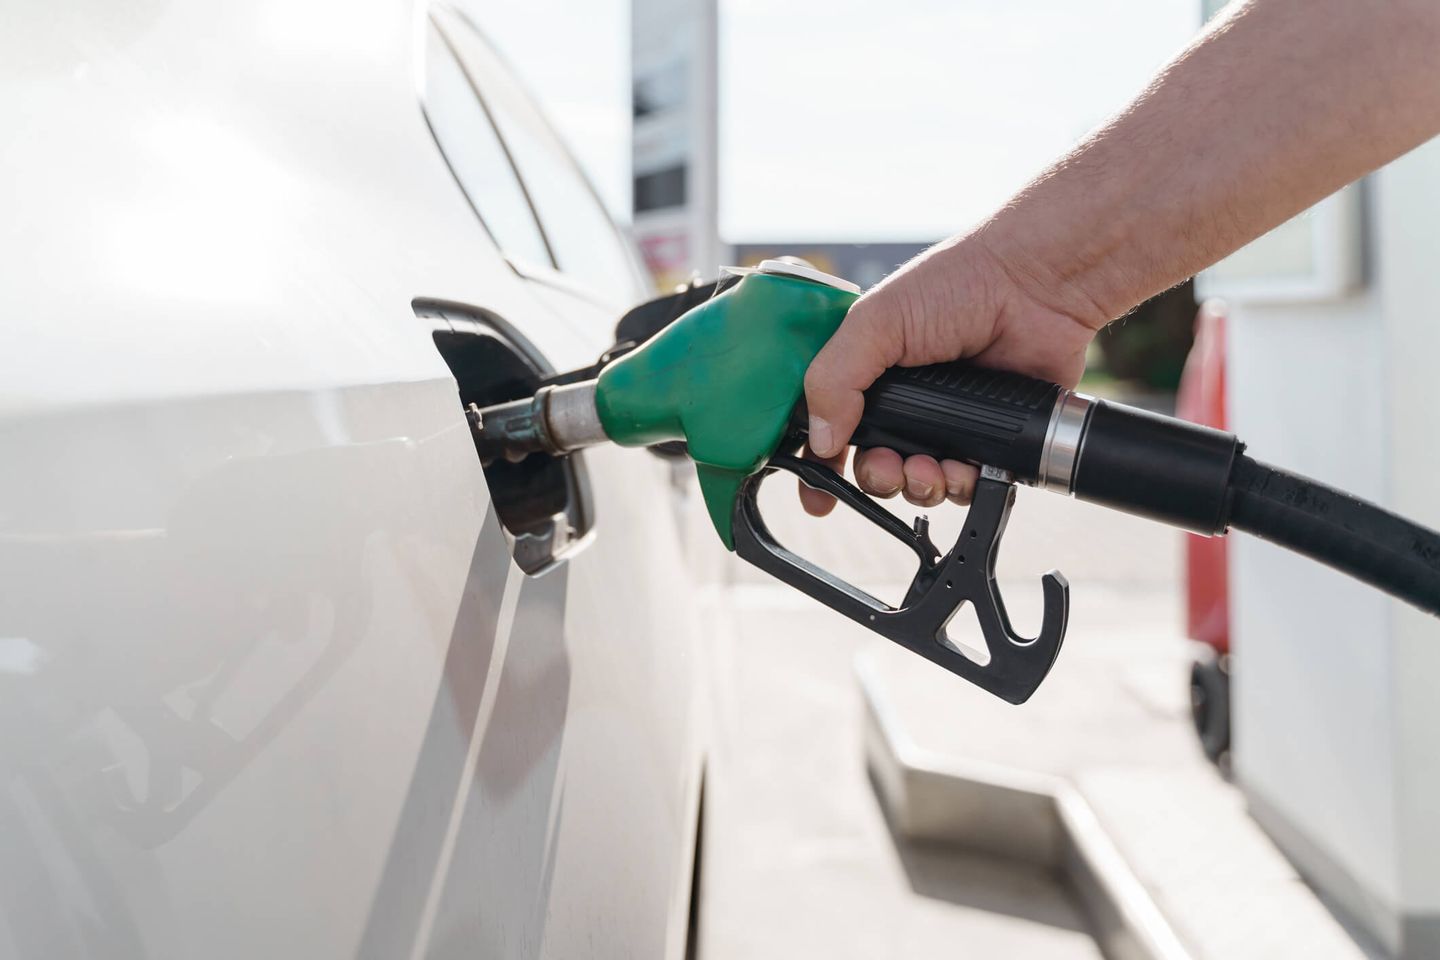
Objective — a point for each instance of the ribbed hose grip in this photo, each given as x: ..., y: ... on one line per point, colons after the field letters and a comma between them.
x: 959, y: 412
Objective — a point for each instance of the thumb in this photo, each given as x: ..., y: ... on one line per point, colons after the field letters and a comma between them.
x: 835, y: 383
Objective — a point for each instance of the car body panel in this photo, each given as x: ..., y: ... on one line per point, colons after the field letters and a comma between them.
x: 270, y: 682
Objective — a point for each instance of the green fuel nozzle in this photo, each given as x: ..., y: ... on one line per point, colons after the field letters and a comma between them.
x: 726, y: 377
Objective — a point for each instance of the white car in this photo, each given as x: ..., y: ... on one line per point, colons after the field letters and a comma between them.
x: 283, y: 673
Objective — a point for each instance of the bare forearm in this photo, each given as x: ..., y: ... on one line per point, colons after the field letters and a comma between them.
x: 1276, y: 106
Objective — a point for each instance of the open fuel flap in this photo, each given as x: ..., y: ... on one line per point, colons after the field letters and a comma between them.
x: 543, y: 501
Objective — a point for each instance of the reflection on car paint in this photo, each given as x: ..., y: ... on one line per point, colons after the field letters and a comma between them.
x: 178, y: 657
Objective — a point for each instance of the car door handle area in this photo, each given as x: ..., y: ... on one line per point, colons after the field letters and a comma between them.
x: 543, y: 502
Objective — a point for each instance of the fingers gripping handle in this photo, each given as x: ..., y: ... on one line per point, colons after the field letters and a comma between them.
x: 960, y: 412
x: 1015, y: 665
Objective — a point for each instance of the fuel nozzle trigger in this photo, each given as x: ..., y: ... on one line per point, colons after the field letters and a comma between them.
x: 1015, y: 666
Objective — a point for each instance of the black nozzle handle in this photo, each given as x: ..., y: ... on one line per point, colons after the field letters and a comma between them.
x: 1132, y: 460
x: 957, y: 411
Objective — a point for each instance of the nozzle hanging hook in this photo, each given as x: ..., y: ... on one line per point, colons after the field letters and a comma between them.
x: 942, y: 585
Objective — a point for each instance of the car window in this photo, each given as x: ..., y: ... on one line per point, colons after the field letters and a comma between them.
x: 585, y: 242
x: 477, y: 156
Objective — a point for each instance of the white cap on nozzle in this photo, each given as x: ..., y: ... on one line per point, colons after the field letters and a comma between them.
x: 795, y: 267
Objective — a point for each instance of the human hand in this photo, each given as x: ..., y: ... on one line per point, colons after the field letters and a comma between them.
x: 961, y: 299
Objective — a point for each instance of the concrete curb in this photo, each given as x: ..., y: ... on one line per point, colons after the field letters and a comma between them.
x: 1034, y: 818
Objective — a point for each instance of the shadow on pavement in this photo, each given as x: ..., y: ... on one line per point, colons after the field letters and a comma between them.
x: 985, y: 882
x: 988, y: 883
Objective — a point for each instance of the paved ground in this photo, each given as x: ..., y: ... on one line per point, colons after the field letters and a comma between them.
x: 807, y: 866
x: 799, y: 861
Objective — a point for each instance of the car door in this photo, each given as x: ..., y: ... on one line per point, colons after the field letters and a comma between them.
x: 272, y: 681
x: 588, y: 763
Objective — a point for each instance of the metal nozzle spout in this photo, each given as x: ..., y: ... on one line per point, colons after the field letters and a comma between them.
x: 557, y: 420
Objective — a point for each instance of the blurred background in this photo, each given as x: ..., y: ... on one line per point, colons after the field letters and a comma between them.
x: 1273, y: 801
x: 790, y: 140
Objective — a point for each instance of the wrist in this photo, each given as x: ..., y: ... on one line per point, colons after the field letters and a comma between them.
x: 1072, y: 276
x: 1007, y: 324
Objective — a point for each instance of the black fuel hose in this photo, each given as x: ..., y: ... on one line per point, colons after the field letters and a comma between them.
x: 1337, y: 529
x: 1146, y: 464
